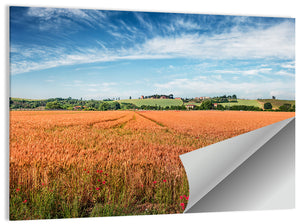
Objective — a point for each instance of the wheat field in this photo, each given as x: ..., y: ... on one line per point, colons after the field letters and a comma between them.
x: 67, y: 164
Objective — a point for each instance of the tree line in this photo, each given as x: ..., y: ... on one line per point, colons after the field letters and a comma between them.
x: 158, y: 96
x: 104, y: 105
x: 285, y: 107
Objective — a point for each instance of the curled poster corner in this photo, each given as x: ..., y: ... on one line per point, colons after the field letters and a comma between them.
x: 252, y: 171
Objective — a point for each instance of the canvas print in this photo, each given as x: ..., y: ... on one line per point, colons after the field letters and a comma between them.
x: 103, y: 103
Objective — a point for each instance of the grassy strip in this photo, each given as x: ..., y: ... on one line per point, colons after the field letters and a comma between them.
x: 254, y: 103
x: 150, y: 119
x: 276, y: 103
x: 153, y: 102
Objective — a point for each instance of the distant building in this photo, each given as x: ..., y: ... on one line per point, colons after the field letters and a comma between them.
x: 142, y: 97
x: 190, y: 106
x: 77, y: 108
x: 177, y: 98
x: 202, y: 98
x: 215, y: 104
x: 163, y: 97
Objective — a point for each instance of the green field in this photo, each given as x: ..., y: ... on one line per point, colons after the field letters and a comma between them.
x: 177, y: 102
x: 17, y: 103
x: 254, y: 103
x: 20, y: 99
x: 276, y: 103
x: 197, y: 104
x: 153, y: 102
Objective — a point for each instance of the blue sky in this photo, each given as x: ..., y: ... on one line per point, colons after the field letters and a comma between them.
x: 94, y: 54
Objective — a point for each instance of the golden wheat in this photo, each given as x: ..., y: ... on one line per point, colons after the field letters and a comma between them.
x: 89, y: 160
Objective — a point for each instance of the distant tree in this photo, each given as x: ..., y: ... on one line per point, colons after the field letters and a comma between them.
x: 293, y: 108
x: 130, y: 97
x: 115, y: 105
x: 244, y: 107
x: 53, y: 106
x: 234, y: 97
x: 273, y: 97
x: 206, y: 105
x: 104, y: 106
x: 183, y: 107
x: 220, y: 107
x: 127, y: 106
x: 268, y: 106
x: 285, y: 107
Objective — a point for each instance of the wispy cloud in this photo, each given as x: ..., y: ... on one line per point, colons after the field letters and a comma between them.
x: 179, y: 24
x: 129, y: 28
x: 217, y: 77
x: 54, y: 18
x: 141, y: 17
x: 176, y: 53
x: 274, y: 42
x: 290, y: 65
x: 257, y: 72
x: 80, y: 83
x: 248, y: 72
x: 91, y: 68
x: 285, y: 73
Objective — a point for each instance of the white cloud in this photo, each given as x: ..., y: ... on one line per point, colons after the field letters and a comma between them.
x: 180, y: 24
x: 92, y: 85
x: 284, y: 95
x: 274, y: 42
x: 129, y: 28
x: 285, y: 73
x: 79, y: 83
x: 200, y: 78
x: 91, y: 67
x: 55, y: 18
x: 106, y: 84
x: 217, y: 77
x: 92, y: 90
x: 143, y: 21
x: 49, y: 13
x: 251, y: 90
x: 257, y: 72
x: 187, y: 24
x: 249, y: 72
x: 290, y: 65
